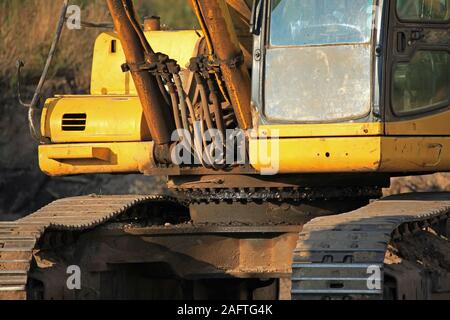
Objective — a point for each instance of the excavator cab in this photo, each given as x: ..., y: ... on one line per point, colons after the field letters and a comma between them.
x: 354, y: 85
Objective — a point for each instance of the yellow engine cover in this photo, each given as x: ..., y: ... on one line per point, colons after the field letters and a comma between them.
x: 94, y: 119
x: 107, y: 76
x: 94, y: 134
x: 106, y: 132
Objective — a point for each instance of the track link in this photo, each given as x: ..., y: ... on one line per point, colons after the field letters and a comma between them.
x: 334, y: 254
x: 18, y: 239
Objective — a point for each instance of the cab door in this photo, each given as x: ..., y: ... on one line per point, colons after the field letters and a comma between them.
x: 417, y: 101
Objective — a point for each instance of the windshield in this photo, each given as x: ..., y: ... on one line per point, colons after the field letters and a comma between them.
x: 318, y: 22
x: 318, y: 66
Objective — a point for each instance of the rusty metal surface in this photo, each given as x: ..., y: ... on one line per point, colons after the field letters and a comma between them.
x: 190, y: 251
x: 409, y: 280
x: 280, y: 195
x: 275, y: 213
x: 240, y: 11
x: 218, y: 26
x: 318, y: 83
x: 193, y: 253
x: 209, y: 229
x: 159, y: 120
x: 334, y: 253
x: 288, y: 200
x: 152, y: 23
x: 181, y: 171
x: 236, y: 179
x: 131, y: 262
x: 339, y: 247
x: 209, y: 251
x: 18, y: 239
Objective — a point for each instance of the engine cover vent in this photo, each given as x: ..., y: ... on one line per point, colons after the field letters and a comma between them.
x: 74, y: 122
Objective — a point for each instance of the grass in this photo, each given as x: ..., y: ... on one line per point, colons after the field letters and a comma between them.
x: 27, y: 28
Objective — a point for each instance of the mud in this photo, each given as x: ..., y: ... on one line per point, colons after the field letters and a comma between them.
x: 426, y: 248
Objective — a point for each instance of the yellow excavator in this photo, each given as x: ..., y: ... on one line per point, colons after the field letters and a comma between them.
x: 277, y: 123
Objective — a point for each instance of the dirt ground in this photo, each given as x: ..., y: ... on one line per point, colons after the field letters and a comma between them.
x: 434, y: 182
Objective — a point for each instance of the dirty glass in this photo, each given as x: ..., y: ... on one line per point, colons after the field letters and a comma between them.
x: 423, y: 83
x: 424, y: 10
x: 318, y: 66
x: 318, y: 84
x: 316, y: 22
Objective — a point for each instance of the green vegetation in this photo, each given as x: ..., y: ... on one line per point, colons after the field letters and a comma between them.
x: 27, y: 28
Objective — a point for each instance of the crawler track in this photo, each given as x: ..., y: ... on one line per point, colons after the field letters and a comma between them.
x: 330, y: 261
x: 334, y: 253
x: 18, y: 239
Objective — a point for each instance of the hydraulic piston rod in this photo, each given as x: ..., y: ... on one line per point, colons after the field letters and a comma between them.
x: 216, y: 21
x: 135, y: 46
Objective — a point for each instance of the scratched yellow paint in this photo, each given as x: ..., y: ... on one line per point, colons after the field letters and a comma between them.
x: 395, y: 155
x: 70, y: 159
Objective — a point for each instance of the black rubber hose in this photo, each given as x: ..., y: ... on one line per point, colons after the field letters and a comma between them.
x: 217, y: 110
x: 163, y: 89
x: 31, y: 112
x: 204, y: 101
x: 174, y: 100
x: 182, y: 98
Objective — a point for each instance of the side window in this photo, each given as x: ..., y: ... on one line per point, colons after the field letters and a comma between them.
x: 423, y: 10
x: 422, y: 84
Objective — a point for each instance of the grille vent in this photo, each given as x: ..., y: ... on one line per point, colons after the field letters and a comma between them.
x: 74, y: 122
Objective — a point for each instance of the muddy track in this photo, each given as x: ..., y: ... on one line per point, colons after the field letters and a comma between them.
x: 334, y: 253
x: 19, y: 239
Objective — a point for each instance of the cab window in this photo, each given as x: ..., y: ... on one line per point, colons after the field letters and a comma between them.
x: 318, y: 65
x: 423, y: 83
x: 424, y: 10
